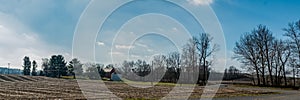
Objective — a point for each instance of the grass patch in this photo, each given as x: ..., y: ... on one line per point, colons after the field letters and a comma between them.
x: 67, y: 77
x: 265, y: 87
x: 72, y: 77
x: 147, y: 83
x: 235, y: 95
x: 247, y: 94
x: 155, y: 83
x: 139, y: 99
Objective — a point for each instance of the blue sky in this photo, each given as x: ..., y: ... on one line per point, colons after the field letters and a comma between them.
x: 239, y: 16
x: 40, y: 28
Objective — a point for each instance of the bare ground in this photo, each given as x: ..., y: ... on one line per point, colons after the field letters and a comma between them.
x: 50, y: 88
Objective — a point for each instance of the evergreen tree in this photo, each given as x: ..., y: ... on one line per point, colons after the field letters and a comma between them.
x: 34, y: 66
x: 75, y: 67
x: 57, y: 66
x: 26, y: 66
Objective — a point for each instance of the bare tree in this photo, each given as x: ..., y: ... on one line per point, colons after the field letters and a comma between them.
x: 158, y: 65
x: 293, y: 33
x: 264, y: 40
x: 261, y: 51
x: 189, y: 58
x: 283, y: 54
x: 205, y: 50
x: 126, y: 68
x: 256, y: 47
x: 176, y: 61
x: 247, y: 53
x: 159, y: 61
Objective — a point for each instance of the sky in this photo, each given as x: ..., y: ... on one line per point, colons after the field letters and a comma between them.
x: 41, y: 28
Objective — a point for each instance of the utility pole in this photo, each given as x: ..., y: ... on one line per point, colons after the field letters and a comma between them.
x: 152, y: 71
x: 8, y: 65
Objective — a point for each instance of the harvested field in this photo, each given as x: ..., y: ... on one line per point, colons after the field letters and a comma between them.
x: 29, y: 87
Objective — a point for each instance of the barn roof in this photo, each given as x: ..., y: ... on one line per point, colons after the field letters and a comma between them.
x: 107, y: 69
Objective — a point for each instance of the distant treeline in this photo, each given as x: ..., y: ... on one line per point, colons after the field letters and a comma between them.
x: 196, y: 57
x: 194, y: 61
x: 57, y: 67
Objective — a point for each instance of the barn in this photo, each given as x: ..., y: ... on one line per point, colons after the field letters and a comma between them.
x: 111, y: 74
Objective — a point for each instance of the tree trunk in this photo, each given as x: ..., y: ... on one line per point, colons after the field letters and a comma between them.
x: 253, y: 79
x: 199, y: 73
x: 263, y: 76
x: 74, y: 76
x: 294, y: 78
x: 257, y: 75
x: 269, y: 68
x: 205, y: 71
x: 276, y: 74
x: 284, y: 76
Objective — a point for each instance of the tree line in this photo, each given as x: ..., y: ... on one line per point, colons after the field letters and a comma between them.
x: 27, y: 67
x: 56, y: 66
x: 196, y: 56
x: 269, y: 58
x: 233, y: 73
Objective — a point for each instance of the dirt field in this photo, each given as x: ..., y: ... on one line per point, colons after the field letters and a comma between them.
x: 25, y: 87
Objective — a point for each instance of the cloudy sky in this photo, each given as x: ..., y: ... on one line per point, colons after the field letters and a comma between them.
x: 41, y: 28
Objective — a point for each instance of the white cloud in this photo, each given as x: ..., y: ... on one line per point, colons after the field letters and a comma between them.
x: 124, y: 46
x: 135, y: 56
x: 116, y: 53
x: 174, y: 29
x: 201, y: 2
x: 141, y: 45
x: 150, y: 50
x: 100, y: 43
x: 145, y: 44
x: 17, y: 41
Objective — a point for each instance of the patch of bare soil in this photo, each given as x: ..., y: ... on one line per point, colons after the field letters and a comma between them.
x: 59, y: 89
x: 159, y: 91
x: 68, y: 89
